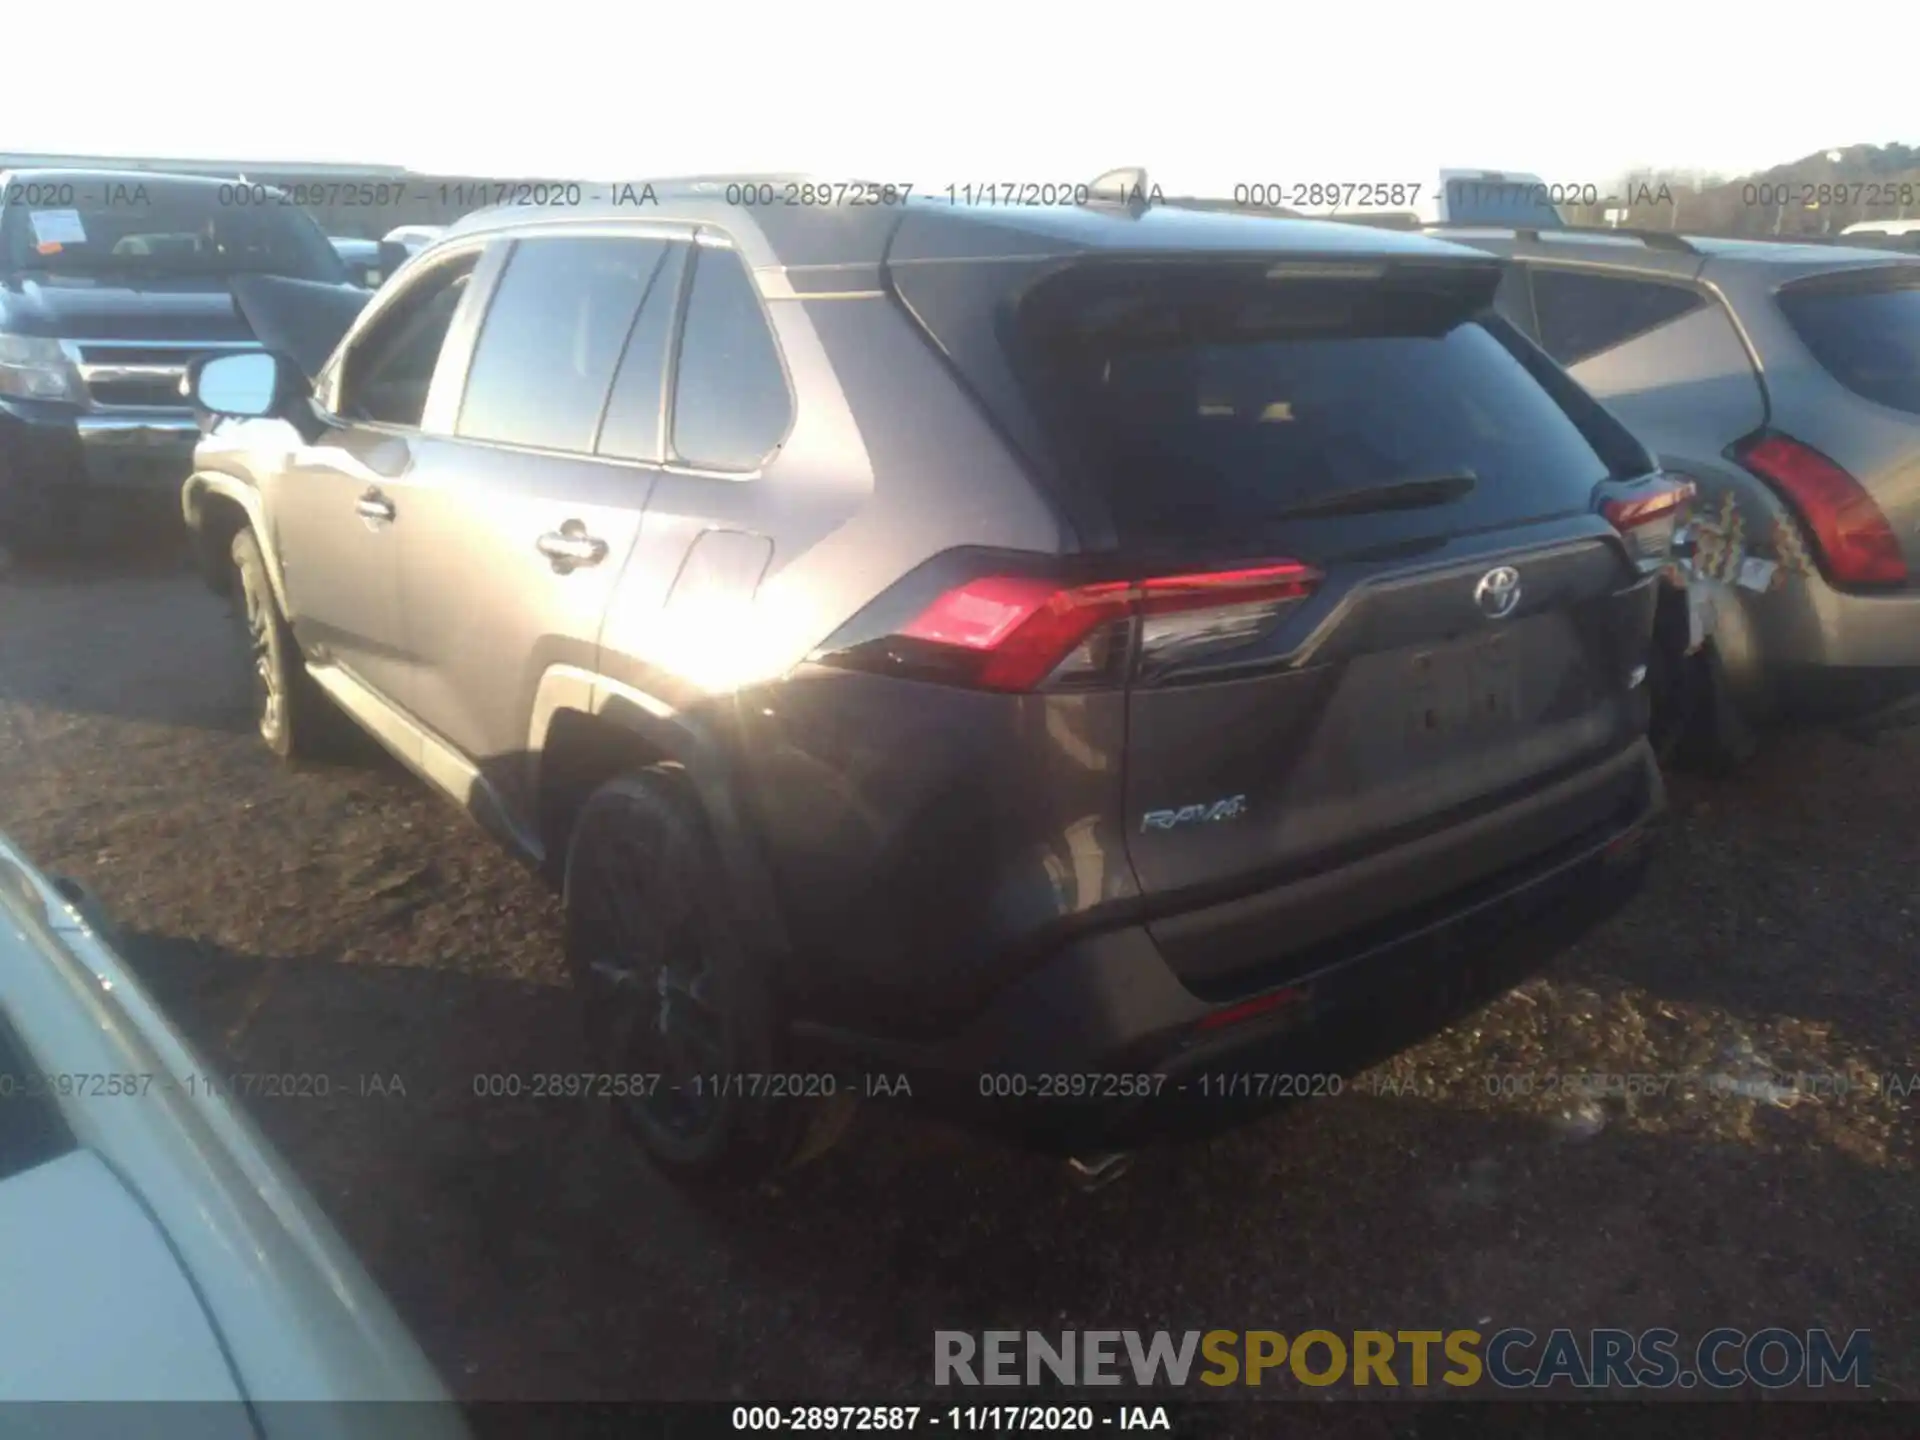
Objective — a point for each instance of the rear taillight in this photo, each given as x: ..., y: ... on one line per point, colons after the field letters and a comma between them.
x: 1670, y: 503
x: 1011, y: 632
x: 1250, y: 1009
x: 1183, y: 617
x: 1649, y: 519
x: 1855, y: 544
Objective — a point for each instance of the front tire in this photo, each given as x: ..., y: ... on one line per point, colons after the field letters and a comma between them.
x: 673, y: 1000
x: 294, y: 716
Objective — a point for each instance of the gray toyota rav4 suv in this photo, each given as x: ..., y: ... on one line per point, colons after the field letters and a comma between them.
x: 1100, y: 664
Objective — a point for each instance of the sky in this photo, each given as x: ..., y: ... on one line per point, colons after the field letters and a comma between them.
x: 1205, y: 96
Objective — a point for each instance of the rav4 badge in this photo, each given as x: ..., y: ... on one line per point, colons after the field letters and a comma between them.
x: 1232, y: 808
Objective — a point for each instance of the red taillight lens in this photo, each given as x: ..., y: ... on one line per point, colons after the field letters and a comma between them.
x: 1649, y: 520
x: 1251, y: 1009
x: 1285, y: 580
x: 1853, y: 538
x: 1670, y: 502
x: 1019, y: 630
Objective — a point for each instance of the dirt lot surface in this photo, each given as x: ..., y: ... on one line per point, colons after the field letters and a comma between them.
x: 346, y: 921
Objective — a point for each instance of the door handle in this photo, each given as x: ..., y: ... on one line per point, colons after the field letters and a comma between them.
x: 373, y: 506
x: 570, y: 547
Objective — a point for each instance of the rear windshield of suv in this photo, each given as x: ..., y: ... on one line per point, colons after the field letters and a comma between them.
x: 151, y: 227
x: 1203, y: 416
x: 1867, y: 335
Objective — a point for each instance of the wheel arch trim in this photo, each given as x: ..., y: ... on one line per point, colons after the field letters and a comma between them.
x: 204, y: 484
x: 686, y: 741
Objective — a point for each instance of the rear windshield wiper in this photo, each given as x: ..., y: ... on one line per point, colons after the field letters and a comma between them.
x: 1414, y: 494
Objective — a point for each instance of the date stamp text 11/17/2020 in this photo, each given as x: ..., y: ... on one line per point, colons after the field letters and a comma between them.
x: 230, y: 1084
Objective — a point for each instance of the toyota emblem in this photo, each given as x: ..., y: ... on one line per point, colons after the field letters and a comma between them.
x: 1498, y: 592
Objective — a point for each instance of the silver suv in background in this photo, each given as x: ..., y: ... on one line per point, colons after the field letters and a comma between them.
x: 1903, y: 235
x: 1784, y: 380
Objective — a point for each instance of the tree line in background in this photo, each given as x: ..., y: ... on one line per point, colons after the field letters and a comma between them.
x: 1816, y: 196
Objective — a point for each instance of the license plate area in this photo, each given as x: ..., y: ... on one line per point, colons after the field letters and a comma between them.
x: 1462, y: 695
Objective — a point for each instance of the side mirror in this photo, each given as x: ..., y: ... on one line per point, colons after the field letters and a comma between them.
x: 392, y: 256
x: 252, y: 384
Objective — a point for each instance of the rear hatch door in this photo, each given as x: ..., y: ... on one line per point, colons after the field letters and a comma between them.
x: 1473, y: 627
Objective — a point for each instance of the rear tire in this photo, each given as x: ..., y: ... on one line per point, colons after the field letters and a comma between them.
x: 669, y: 989
x: 292, y: 713
x: 1718, y: 739
x: 1672, y: 688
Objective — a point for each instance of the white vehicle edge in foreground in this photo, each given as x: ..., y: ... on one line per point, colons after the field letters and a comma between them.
x: 225, y: 1281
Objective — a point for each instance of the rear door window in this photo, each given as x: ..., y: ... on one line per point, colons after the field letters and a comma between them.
x: 1206, y: 420
x: 1581, y: 314
x: 635, y: 409
x: 553, y: 333
x: 1865, y: 334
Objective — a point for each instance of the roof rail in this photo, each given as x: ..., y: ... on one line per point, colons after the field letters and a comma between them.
x: 1377, y: 219
x: 1230, y: 207
x: 1652, y: 239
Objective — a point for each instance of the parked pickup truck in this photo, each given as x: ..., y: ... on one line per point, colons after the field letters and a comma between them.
x: 109, y: 283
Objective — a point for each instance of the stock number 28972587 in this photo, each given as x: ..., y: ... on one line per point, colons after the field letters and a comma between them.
x: 1097, y: 1085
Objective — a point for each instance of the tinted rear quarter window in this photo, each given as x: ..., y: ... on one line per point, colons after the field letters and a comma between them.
x: 1581, y: 314
x: 554, y: 331
x: 731, y: 405
x: 1514, y: 298
x: 1197, y: 430
x: 1866, y: 336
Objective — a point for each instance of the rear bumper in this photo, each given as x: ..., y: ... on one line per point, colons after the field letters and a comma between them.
x: 1808, y: 651
x: 1104, y: 1046
x: 57, y: 449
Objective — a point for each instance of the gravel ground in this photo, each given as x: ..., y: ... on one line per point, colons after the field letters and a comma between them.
x: 346, y: 921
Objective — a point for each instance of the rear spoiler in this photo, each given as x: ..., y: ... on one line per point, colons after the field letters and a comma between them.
x: 1396, y: 295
